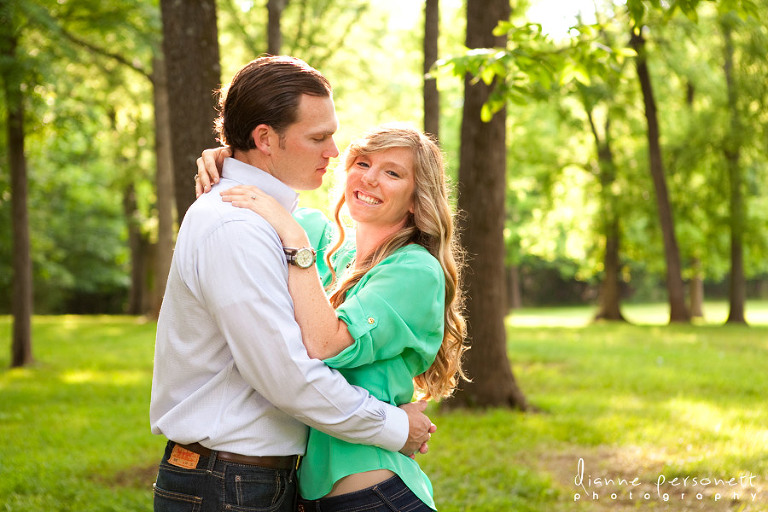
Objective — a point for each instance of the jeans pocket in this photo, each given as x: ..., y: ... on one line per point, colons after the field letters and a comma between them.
x: 178, y: 489
x: 169, y: 501
x: 253, y: 489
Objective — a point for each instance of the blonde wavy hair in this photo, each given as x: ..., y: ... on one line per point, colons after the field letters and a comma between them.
x: 431, y: 226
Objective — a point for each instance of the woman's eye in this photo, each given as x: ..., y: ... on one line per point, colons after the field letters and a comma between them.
x: 393, y: 173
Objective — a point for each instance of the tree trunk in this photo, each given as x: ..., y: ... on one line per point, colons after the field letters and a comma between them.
x: 610, y: 289
x: 164, y: 188
x: 762, y: 288
x: 21, y: 344
x: 274, y: 33
x: 697, y: 290
x: 482, y: 186
x: 696, y: 284
x: 609, y: 299
x: 191, y: 49
x: 135, y: 246
x: 678, y: 311
x: 737, y: 286
x: 514, y: 294
x: 431, y: 94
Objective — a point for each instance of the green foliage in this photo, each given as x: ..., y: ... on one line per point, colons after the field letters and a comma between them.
x: 86, y: 89
x: 85, y: 67
x: 633, y: 400
x: 556, y: 217
x: 527, y: 68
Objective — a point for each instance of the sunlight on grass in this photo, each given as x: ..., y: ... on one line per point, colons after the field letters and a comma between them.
x: 715, y: 313
x: 631, y: 400
x: 118, y: 378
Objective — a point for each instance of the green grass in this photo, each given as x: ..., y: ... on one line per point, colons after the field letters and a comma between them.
x: 76, y: 421
x: 631, y: 401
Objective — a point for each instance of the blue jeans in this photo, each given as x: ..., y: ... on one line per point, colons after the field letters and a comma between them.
x: 388, y: 496
x: 213, y: 485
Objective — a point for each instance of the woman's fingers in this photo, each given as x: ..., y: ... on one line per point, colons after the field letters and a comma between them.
x: 202, y: 178
x: 209, y: 168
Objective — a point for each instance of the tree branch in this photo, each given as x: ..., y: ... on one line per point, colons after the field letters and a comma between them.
x: 104, y: 53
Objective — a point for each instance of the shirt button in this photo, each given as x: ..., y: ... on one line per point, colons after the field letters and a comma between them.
x: 371, y: 320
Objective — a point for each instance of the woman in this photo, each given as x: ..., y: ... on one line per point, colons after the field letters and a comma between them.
x: 393, y: 318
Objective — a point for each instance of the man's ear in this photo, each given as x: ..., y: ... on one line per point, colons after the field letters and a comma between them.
x: 262, y: 136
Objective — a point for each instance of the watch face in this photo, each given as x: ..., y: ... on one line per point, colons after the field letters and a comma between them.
x: 304, y: 258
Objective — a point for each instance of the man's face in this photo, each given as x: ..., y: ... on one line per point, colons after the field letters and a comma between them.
x: 301, y: 157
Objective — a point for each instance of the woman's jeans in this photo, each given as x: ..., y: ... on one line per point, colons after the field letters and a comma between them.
x: 214, y: 485
x: 388, y: 496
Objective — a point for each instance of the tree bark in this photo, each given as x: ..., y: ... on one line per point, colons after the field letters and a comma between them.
x: 762, y: 288
x: 514, y: 292
x: 431, y: 94
x: 22, y: 295
x: 609, y: 299
x: 136, y: 248
x: 610, y: 289
x: 678, y: 311
x: 274, y: 33
x: 737, y: 287
x: 164, y: 188
x: 697, y: 290
x: 191, y: 49
x: 482, y: 187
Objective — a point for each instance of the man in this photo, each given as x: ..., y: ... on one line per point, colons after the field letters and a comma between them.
x: 233, y: 388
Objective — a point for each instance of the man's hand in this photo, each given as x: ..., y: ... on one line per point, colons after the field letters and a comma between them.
x: 209, y: 168
x: 421, y: 428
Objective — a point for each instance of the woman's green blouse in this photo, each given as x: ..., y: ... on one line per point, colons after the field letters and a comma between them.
x: 395, y: 314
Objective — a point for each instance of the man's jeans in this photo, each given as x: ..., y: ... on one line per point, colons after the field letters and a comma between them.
x: 213, y: 485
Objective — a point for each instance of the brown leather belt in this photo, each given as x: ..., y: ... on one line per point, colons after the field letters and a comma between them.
x: 269, y: 461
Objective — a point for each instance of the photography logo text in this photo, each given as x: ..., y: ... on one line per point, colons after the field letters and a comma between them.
x: 664, y: 488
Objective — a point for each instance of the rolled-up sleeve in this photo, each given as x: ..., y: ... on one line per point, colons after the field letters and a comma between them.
x: 397, y: 309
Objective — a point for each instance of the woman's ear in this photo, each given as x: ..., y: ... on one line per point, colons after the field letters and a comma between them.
x: 262, y: 138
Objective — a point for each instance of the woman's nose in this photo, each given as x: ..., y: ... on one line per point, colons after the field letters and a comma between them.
x: 370, y: 177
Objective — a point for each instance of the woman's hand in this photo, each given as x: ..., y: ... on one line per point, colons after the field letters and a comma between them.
x: 288, y: 229
x: 209, y: 168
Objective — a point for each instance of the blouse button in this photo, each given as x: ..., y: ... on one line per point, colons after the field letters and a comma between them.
x: 371, y: 320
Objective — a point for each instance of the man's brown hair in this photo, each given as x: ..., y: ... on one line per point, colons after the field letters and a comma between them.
x: 265, y: 91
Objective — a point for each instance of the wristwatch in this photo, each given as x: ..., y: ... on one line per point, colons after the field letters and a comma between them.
x: 303, y: 257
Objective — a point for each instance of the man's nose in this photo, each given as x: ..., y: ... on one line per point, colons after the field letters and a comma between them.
x: 333, y: 150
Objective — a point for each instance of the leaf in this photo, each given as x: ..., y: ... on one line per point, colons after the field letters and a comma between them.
x: 486, y: 114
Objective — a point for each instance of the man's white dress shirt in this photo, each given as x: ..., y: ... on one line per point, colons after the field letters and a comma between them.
x: 231, y: 371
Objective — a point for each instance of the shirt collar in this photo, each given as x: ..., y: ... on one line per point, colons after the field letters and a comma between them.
x: 245, y: 174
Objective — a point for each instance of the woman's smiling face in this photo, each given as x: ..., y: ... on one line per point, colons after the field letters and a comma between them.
x: 380, y: 187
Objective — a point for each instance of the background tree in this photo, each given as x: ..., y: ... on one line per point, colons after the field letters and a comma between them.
x: 164, y: 185
x: 605, y: 71
x: 191, y: 50
x: 274, y: 33
x: 89, y: 129
x: 732, y: 150
x: 678, y: 310
x: 431, y: 94
x: 12, y: 74
x: 150, y: 262
x: 482, y: 185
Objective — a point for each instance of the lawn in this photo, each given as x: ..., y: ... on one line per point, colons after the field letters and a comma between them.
x: 642, y: 416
